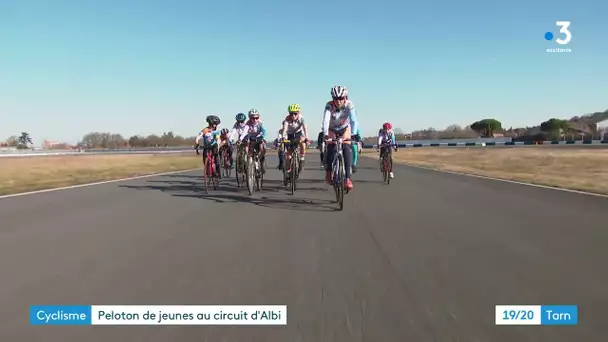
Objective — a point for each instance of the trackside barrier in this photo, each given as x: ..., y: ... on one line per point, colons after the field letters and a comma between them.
x: 494, y: 143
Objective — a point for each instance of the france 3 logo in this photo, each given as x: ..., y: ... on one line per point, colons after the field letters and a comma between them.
x: 564, y: 28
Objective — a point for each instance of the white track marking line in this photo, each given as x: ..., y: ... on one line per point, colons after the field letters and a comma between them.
x: 96, y: 183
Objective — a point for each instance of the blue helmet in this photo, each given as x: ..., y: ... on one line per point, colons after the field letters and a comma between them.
x: 240, y: 117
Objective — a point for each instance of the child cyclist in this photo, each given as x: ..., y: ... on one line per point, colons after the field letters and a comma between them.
x: 225, y: 144
x: 386, y: 134
x: 210, y: 137
x: 256, y: 135
x: 294, y: 128
x: 239, y: 129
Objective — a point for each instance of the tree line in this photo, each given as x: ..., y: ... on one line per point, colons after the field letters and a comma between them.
x: 22, y: 141
x: 577, y: 127
x: 107, y: 140
x: 115, y: 140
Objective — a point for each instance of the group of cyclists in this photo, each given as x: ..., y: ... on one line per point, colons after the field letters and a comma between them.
x: 339, y: 120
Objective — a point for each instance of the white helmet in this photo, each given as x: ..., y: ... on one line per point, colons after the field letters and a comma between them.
x: 339, y: 91
x: 253, y: 112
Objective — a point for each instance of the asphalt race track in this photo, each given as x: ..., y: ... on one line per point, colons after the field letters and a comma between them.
x: 425, y: 258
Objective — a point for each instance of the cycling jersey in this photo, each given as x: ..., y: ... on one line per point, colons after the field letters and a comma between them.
x: 292, y: 126
x: 338, y: 119
x: 384, y: 135
x: 238, y: 131
x: 254, y: 130
x: 210, y: 137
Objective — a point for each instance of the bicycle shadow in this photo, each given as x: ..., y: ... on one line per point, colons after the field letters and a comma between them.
x: 283, y: 203
x: 228, y: 192
x: 275, y: 184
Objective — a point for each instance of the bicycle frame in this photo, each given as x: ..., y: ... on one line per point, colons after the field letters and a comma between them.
x: 210, y: 173
x: 386, y: 160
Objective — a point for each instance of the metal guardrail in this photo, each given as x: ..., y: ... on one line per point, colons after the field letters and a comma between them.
x: 496, y: 143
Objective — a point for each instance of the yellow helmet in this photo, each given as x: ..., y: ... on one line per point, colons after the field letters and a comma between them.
x: 294, y: 107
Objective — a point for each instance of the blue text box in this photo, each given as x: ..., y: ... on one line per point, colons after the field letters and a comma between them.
x: 60, y: 315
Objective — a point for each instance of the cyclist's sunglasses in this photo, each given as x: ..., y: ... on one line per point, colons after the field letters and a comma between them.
x: 255, y: 118
x: 294, y: 113
x: 339, y: 98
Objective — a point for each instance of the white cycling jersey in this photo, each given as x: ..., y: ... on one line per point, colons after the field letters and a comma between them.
x: 338, y: 119
x: 291, y: 126
x: 238, y: 131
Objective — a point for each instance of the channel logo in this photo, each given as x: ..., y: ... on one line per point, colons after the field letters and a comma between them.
x: 564, y: 28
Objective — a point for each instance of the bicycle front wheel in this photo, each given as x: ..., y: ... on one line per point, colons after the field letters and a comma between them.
x: 206, y: 174
x: 385, y: 168
x: 340, y: 181
x: 237, y: 168
x: 294, y: 171
x: 250, y: 175
x: 226, y: 165
x: 259, y: 175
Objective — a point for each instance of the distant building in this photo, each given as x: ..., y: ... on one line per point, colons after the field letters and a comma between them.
x: 48, y: 144
x: 55, y: 145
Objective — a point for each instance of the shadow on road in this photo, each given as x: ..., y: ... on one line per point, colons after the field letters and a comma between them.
x: 228, y: 192
x: 283, y: 202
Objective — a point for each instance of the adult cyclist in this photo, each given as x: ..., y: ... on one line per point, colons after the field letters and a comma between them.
x: 294, y: 128
x: 339, y: 120
x: 210, y: 137
x: 386, y: 134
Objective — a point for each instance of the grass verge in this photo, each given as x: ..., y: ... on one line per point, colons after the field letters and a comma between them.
x: 37, y: 173
x: 576, y: 169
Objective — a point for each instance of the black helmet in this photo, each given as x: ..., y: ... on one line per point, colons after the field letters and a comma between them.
x: 213, y: 120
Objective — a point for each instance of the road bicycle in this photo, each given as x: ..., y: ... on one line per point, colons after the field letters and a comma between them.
x: 338, y: 170
x: 241, y: 165
x: 386, y: 161
x: 255, y: 173
x: 291, y: 152
x: 225, y: 162
x: 211, y: 175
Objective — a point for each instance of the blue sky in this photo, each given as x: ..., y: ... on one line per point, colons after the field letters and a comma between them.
x: 141, y: 67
